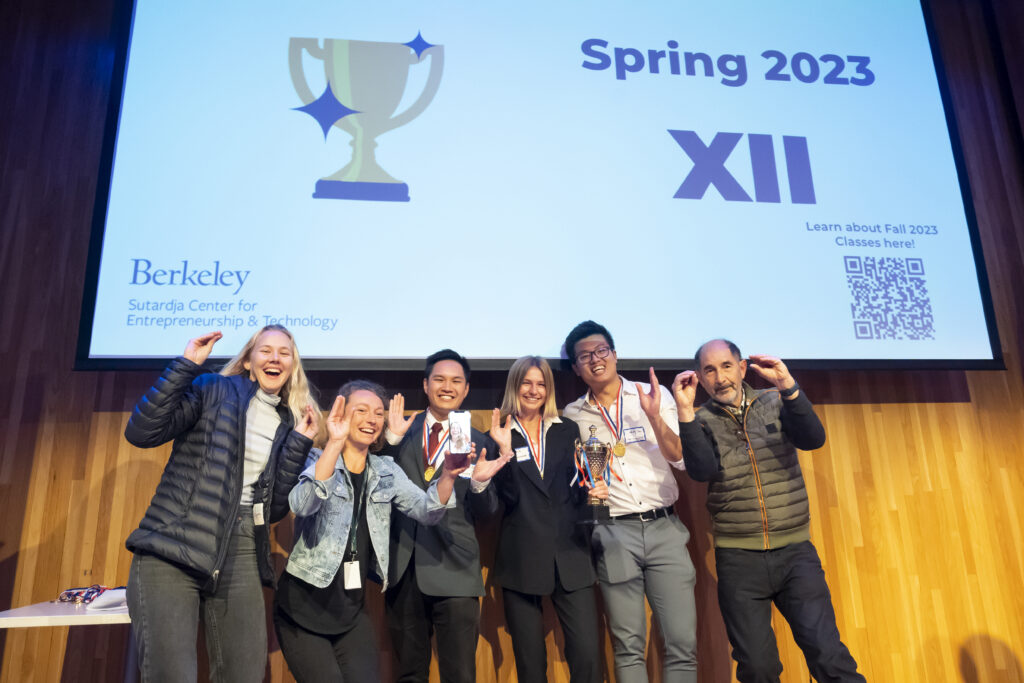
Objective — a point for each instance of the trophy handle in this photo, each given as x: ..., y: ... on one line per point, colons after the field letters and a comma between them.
x: 436, y: 53
x: 295, y: 47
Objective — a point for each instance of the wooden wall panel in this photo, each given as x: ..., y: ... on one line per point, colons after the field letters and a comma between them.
x: 916, y: 497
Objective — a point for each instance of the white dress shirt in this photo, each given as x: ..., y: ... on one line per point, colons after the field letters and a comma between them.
x: 522, y: 452
x: 647, y: 480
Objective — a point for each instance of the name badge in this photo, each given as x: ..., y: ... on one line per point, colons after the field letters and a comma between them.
x: 634, y: 435
x: 522, y: 454
x: 257, y: 514
x: 352, y: 578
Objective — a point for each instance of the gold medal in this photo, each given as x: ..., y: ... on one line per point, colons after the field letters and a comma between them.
x: 429, y: 473
x: 619, y: 449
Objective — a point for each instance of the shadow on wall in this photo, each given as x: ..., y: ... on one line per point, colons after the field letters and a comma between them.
x: 984, y: 658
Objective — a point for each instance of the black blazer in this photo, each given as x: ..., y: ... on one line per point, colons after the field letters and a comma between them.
x: 539, y: 530
x: 447, y: 556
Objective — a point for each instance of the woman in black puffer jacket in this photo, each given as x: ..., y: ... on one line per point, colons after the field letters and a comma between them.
x: 203, y: 548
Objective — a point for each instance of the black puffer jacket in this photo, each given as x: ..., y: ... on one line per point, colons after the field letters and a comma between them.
x: 189, y: 519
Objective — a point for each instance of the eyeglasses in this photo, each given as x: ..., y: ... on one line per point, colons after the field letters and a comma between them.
x: 599, y: 353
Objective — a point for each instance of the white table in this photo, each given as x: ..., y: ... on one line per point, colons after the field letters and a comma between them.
x: 61, y: 614
x: 70, y: 614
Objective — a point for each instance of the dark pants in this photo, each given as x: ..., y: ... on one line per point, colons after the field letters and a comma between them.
x: 749, y: 581
x: 165, y: 604
x: 577, y: 613
x: 312, y: 657
x: 413, y: 616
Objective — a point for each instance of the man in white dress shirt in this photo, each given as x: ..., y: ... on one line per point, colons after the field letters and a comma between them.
x: 643, y: 551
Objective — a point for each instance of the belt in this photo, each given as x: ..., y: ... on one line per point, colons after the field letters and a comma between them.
x: 648, y: 515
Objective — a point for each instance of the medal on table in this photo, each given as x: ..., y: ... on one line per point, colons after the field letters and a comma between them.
x: 614, y: 425
x: 431, y: 458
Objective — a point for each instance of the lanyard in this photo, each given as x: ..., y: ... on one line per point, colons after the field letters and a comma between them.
x: 536, y: 451
x: 353, y: 551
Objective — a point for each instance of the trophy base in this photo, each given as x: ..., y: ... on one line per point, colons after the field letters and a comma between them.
x: 595, y: 514
x: 373, y: 192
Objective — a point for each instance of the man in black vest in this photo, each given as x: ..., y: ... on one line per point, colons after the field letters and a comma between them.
x: 434, y: 573
x: 744, y: 442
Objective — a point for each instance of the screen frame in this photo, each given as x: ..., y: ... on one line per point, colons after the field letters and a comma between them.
x: 121, y: 36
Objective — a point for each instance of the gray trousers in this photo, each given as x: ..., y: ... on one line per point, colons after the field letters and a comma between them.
x: 635, y: 559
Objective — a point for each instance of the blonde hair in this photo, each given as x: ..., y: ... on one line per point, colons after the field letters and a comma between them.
x: 516, y: 375
x: 297, y: 392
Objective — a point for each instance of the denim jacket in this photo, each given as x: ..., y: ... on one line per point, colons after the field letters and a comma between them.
x: 323, y: 515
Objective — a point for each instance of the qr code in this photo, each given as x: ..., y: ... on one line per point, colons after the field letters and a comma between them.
x: 890, y: 299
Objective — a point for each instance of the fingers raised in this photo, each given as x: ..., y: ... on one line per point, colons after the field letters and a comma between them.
x: 683, y: 381
x: 198, y: 349
x: 210, y: 338
x: 338, y: 409
x: 655, y: 387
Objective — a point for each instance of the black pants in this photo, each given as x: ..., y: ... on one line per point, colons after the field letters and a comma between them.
x: 577, y: 613
x: 749, y: 581
x: 413, y: 617
x: 350, y: 657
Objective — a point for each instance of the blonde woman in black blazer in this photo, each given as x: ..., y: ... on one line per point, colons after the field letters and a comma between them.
x: 542, y: 551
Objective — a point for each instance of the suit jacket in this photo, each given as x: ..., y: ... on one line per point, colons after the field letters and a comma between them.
x: 539, y: 530
x: 446, y: 556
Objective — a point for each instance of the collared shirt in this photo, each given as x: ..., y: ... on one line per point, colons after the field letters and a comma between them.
x: 647, y: 479
x: 548, y: 421
x: 395, y: 439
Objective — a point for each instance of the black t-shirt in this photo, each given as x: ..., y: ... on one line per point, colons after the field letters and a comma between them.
x: 333, y: 610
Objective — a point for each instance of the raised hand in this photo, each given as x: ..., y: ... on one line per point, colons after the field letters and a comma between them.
x: 485, y: 469
x: 397, y: 422
x: 684, y: 388
x: 198, y: 349
x: 310, y: 423
x: 501, y: 435
x: 773, y: 370
x: 338, y: 422
x: 651, y: 402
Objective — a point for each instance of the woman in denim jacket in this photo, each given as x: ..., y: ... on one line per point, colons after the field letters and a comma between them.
x: 342, y: 505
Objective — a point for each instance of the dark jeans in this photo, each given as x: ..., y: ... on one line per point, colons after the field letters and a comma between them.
x: 165, y: 604
x: 577, y: 613
x: 413, y: 616
x: 749, y: 581
x: 350, y: 657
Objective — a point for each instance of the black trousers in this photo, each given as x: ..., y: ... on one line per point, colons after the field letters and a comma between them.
x: 577, y: 613
x: 314, y: 658
x: 749, y: 581
x: 413, y: 617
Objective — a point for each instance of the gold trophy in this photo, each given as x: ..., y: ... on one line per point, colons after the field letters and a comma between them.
x: 595, y: 456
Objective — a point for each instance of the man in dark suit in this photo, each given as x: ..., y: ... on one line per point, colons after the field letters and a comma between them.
x: 434, y: 573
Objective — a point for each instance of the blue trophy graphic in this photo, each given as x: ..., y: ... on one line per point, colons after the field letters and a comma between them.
x: 365, y: 84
